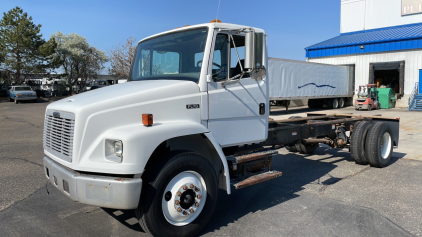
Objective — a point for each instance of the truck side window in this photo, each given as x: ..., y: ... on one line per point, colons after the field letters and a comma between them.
x: 220, y: 62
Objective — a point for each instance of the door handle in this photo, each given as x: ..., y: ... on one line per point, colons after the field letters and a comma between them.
x: 262, y: 108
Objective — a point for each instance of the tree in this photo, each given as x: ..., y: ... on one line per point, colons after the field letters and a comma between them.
x: 121, y: 58
x: 21, y: 43
x: 77, y: 58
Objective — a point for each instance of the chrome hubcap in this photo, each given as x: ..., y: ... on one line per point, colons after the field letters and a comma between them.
x: 184, y: 198
x: 385, y: 145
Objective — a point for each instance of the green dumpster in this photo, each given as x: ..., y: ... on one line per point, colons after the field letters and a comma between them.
x: 387, y: 98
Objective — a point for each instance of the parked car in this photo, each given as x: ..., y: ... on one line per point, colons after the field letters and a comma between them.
x: 21, y: 93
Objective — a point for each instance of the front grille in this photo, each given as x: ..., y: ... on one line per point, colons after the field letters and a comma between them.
x: 58, y: 136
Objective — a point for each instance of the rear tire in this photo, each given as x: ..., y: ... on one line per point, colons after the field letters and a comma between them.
x: 333, y: 104
x: 157, y: 211
x: 341, y: 103
x: 379, y: 145
x: 357, y: 142
x: 10, y: 99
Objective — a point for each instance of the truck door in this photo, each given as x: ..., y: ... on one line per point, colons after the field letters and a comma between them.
x: 238, y: 111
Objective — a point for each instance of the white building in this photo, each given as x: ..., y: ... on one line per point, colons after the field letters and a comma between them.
x: 382, y: 39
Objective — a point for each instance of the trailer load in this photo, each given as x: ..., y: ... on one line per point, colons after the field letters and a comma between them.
x: 319, y: 84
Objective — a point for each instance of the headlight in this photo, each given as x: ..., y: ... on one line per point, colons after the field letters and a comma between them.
x: 118, y: 148
x: 114, y: 150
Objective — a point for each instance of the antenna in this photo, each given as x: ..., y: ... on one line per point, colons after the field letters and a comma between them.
x: 218, y: 9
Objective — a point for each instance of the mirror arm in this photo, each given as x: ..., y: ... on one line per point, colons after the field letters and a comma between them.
x: 235, y: 49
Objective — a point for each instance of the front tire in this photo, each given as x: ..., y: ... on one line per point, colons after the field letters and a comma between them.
x: 170, y: 205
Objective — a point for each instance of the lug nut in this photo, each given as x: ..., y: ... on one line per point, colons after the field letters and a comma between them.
x: 191, y: 210
x: 199, y: 196
x: 179, y: 209
x: 185, y: 187
x: 185, y: 213
x: 179, y: 194
x: 191, y: 186
x: 196, y: 189
x: 177, y: 202
x: 197, y: 204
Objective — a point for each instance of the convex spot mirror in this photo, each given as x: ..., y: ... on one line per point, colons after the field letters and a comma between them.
x: 254, y: 54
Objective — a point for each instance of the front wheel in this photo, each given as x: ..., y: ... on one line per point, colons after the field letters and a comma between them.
x: 179, y: 197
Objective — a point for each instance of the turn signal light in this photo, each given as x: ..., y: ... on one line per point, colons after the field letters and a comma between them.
x: 147, y: 119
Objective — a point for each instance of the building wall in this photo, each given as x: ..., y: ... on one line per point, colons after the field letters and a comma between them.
x: 358, y: 15
x: 413, y: 62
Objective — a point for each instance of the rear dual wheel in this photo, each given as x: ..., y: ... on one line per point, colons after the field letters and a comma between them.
x: 371, y: 143
x: 357, y: 142
x: 178, y: 197
x: 379, y: 143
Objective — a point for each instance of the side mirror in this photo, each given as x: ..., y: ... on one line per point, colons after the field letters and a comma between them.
x: 254, y: 50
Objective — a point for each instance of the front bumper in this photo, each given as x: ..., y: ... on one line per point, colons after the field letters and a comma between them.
x: 20, y: 98
x: 96, y: 190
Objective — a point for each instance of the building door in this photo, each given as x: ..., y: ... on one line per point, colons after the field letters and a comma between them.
x: 388, y: 74
x: 420, y: 81
x: 234, y: 108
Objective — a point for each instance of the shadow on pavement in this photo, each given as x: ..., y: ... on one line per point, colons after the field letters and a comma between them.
x: 298, y: 172
x: 126, y: 217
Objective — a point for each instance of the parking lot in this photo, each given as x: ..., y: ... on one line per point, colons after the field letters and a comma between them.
x: 324, y: 194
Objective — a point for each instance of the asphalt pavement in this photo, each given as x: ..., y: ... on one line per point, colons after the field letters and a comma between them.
x: 324, y: 194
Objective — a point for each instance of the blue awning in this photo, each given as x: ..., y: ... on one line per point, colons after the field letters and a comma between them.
x: 378, y: 40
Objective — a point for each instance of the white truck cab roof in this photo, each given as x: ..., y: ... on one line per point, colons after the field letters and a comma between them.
x: 211, y: 26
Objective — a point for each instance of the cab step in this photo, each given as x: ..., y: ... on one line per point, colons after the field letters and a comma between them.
x: 251, y: 156
x: 258, y: 178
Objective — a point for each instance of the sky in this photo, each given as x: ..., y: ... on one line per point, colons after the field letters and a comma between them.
x: 291, y: 25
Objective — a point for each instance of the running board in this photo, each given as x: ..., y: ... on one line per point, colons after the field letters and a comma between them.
x: 256, y: 155
x: 258, y: 178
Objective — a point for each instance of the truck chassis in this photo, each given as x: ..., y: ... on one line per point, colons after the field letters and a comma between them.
x: 304, y: 135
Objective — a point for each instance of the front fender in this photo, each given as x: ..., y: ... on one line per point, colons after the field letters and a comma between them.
x: 139, y: 142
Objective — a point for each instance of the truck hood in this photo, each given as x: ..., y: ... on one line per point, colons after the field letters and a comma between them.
x: 126, y: 94
x: 98, y: 114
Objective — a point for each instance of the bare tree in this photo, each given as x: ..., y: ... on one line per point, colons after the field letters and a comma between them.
x: 121, y: 58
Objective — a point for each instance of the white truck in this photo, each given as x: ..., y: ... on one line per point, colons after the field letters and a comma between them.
x: 318, y: 84
x: 193, y: 119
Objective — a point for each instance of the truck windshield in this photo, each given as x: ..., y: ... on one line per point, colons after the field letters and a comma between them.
x: 176, y: 56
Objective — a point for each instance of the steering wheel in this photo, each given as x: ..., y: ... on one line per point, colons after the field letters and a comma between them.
x: 213, y: 63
